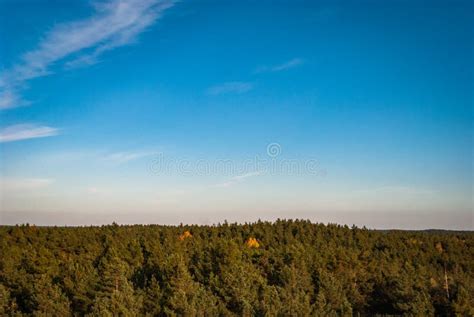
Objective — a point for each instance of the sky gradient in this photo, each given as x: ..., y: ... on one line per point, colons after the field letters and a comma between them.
x: 148, y: 111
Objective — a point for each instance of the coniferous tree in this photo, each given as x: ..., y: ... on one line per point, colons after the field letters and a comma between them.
x: 48, y: 299
x: 115, y: 295
x: 7, y: 304
x: 297, y: 291
x: 153, y: 299
x: 331, y: 298
x: 187, y: 297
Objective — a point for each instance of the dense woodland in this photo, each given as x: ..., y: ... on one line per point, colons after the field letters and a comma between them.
x: 285, y: 268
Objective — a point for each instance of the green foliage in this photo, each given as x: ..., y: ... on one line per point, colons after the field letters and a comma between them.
x: 7, y: 306
x: 331, y: 298
x: 115, y: 295
x: 48, y: 299
x: 187, y: 297
x: 298, y: 269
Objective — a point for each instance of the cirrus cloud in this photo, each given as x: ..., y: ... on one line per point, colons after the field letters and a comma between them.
x: 114, y: 23
x: 237, y: 179
x: 20, y: 132
x: 280, y: 67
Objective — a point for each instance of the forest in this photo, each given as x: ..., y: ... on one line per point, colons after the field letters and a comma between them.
x: 281, y: 268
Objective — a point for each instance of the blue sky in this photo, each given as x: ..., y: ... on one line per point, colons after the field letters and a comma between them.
x: 377, y: 96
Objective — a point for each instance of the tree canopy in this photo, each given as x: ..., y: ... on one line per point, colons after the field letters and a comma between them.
x: 284, y: 268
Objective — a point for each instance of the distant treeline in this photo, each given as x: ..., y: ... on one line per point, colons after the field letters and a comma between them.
x: 285, y: 268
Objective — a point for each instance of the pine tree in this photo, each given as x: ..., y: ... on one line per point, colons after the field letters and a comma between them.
x: 7, y: 304
x: 153, y: 298
x: 115, y: 296
x: 297, y: 291
x: 187, y: 297
x: 463, y: 305
x: 48, y: 298
x: 331, y: 298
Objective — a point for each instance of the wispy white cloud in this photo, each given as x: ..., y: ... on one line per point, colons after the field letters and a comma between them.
x: 237, y: 179
x: 280, y: 67
x: 9, y: 98
x: 114, y: 23
x: 97, y: 156
x: 22, y: 184
x: 124, y: 157
x: 236, y: 87
x: 25, y: 131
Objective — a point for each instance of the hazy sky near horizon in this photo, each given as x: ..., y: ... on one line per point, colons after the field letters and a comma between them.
x: 148, y: 111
